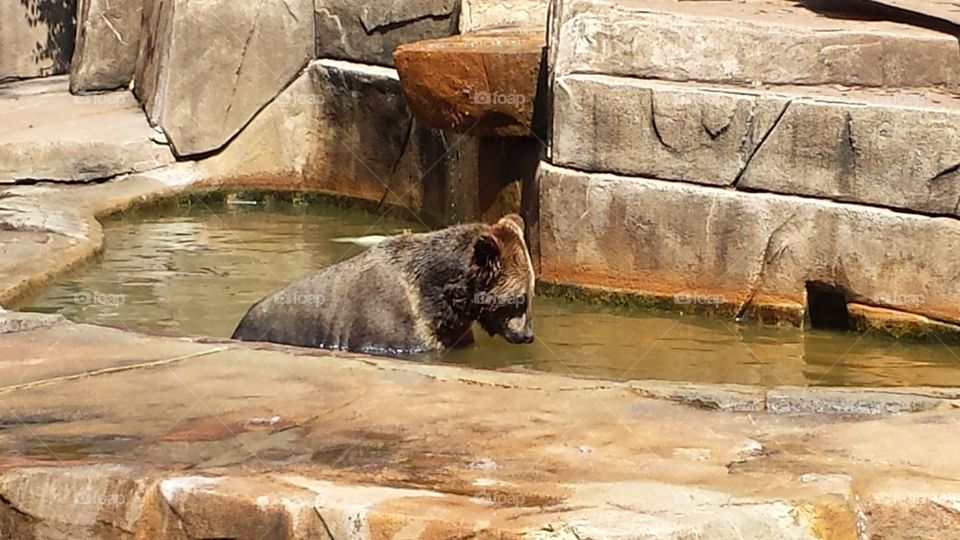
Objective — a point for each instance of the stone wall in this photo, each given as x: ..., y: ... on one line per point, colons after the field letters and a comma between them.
x: 251, y: 102
x: 278, y: 93
x: 687, y: 160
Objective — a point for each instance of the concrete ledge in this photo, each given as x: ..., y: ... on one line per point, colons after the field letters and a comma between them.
x: 863, y: 146
x: 660, y: 238
x: 729, y: 43
x: 49, y: 134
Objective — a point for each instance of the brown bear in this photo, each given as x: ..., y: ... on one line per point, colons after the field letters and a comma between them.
x: 409, y: 294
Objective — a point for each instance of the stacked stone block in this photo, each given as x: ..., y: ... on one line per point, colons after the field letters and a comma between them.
x: 750, y: 151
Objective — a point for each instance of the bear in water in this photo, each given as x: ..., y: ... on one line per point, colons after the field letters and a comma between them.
x: 409, y: 294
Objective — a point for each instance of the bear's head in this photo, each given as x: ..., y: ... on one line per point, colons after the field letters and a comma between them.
x: 505, y: 280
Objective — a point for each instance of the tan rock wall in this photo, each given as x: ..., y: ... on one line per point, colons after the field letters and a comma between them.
x: 756, y: 42
x: 898, y: 151
x: 108, y: 42
x: 660, y: 237
x: 207, y: 67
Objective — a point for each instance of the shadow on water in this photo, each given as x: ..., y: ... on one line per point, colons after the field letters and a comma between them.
x: 60, y: 19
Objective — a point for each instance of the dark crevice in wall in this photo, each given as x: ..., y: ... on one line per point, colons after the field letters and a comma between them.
x: 827, y: 306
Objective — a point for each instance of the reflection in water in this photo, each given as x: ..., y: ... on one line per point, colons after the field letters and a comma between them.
x: 196, y: 270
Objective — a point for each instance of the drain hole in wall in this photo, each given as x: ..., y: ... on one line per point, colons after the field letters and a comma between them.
x: 827, y: 306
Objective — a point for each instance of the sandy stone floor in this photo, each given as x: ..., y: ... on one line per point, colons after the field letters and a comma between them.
x: 149, y: 434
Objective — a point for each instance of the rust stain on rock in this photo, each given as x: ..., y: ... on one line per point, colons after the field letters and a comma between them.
x: 483, y: 83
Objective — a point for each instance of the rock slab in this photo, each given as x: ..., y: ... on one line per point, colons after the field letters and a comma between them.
x: 108, y: 42
x: 869, y: 147
x: 36, y: 38
x: 484, y: 84
x: 730, y: 42
x: 51, y: 135
x: 370, y: 146
x: 476, y: 15
x: 207, y: 67
x: 748, y: 249
x: 368, y: 31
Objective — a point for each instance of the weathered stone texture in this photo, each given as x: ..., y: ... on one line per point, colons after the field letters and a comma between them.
x: 662, y: 237
x: 731, y: 42
x: 662, y: 130
x: 895, y: 508
x: 482, y: 84
x: 344, y: 128
x: 36, y: 37
x: 369, y: 30
x: 721, y: 397
x: 275, y: 147
x: 485, y: 14
x: 793, y: 400
x: 894, y: 151
x: 91, y: 501
x: 207, y: 67
x: 370, y: 146
x: 108, y: 42
x: 50, y: 135
x: 899, y: 151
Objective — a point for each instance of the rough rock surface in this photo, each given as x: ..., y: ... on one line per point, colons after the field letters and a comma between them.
x: 275, y: 147
x: 36, y: 37
x: 662, y: 130
x: 50, y: 135
x: 207, y: 67
x: 478, y: 15
x: 730, y: 42
x: 108, y: 42
x: 484, y: 83
x: 869, y: 147
x: 370, y: 146
x: 369, y: 30
x: 748, y: 249
x: 344, y: 128
x: 900, y: 151
x: 261, y: 460
x: 900, y: 324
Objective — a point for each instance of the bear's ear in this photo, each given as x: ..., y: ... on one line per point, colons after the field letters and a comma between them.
x: 513, y: 221
x: 486, y: 255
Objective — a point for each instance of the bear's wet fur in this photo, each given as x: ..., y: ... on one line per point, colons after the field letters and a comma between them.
x: 410, y: 294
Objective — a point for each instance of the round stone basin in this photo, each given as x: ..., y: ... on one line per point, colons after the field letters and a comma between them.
x: 196, y: 265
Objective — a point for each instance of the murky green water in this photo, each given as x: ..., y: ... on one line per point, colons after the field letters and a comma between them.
x: 196, y: 269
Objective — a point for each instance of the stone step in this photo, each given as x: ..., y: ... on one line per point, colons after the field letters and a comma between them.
x: 755, y: 41
x: 484, y: 83
x: 488, y: 14
x: 49, y: 134
x: 746, y: 249
x: 893, y: 149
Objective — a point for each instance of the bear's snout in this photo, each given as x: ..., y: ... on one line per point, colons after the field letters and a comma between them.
x: 519, y: 330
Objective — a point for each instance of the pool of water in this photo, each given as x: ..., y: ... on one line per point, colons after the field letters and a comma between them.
x: 195, y: 268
